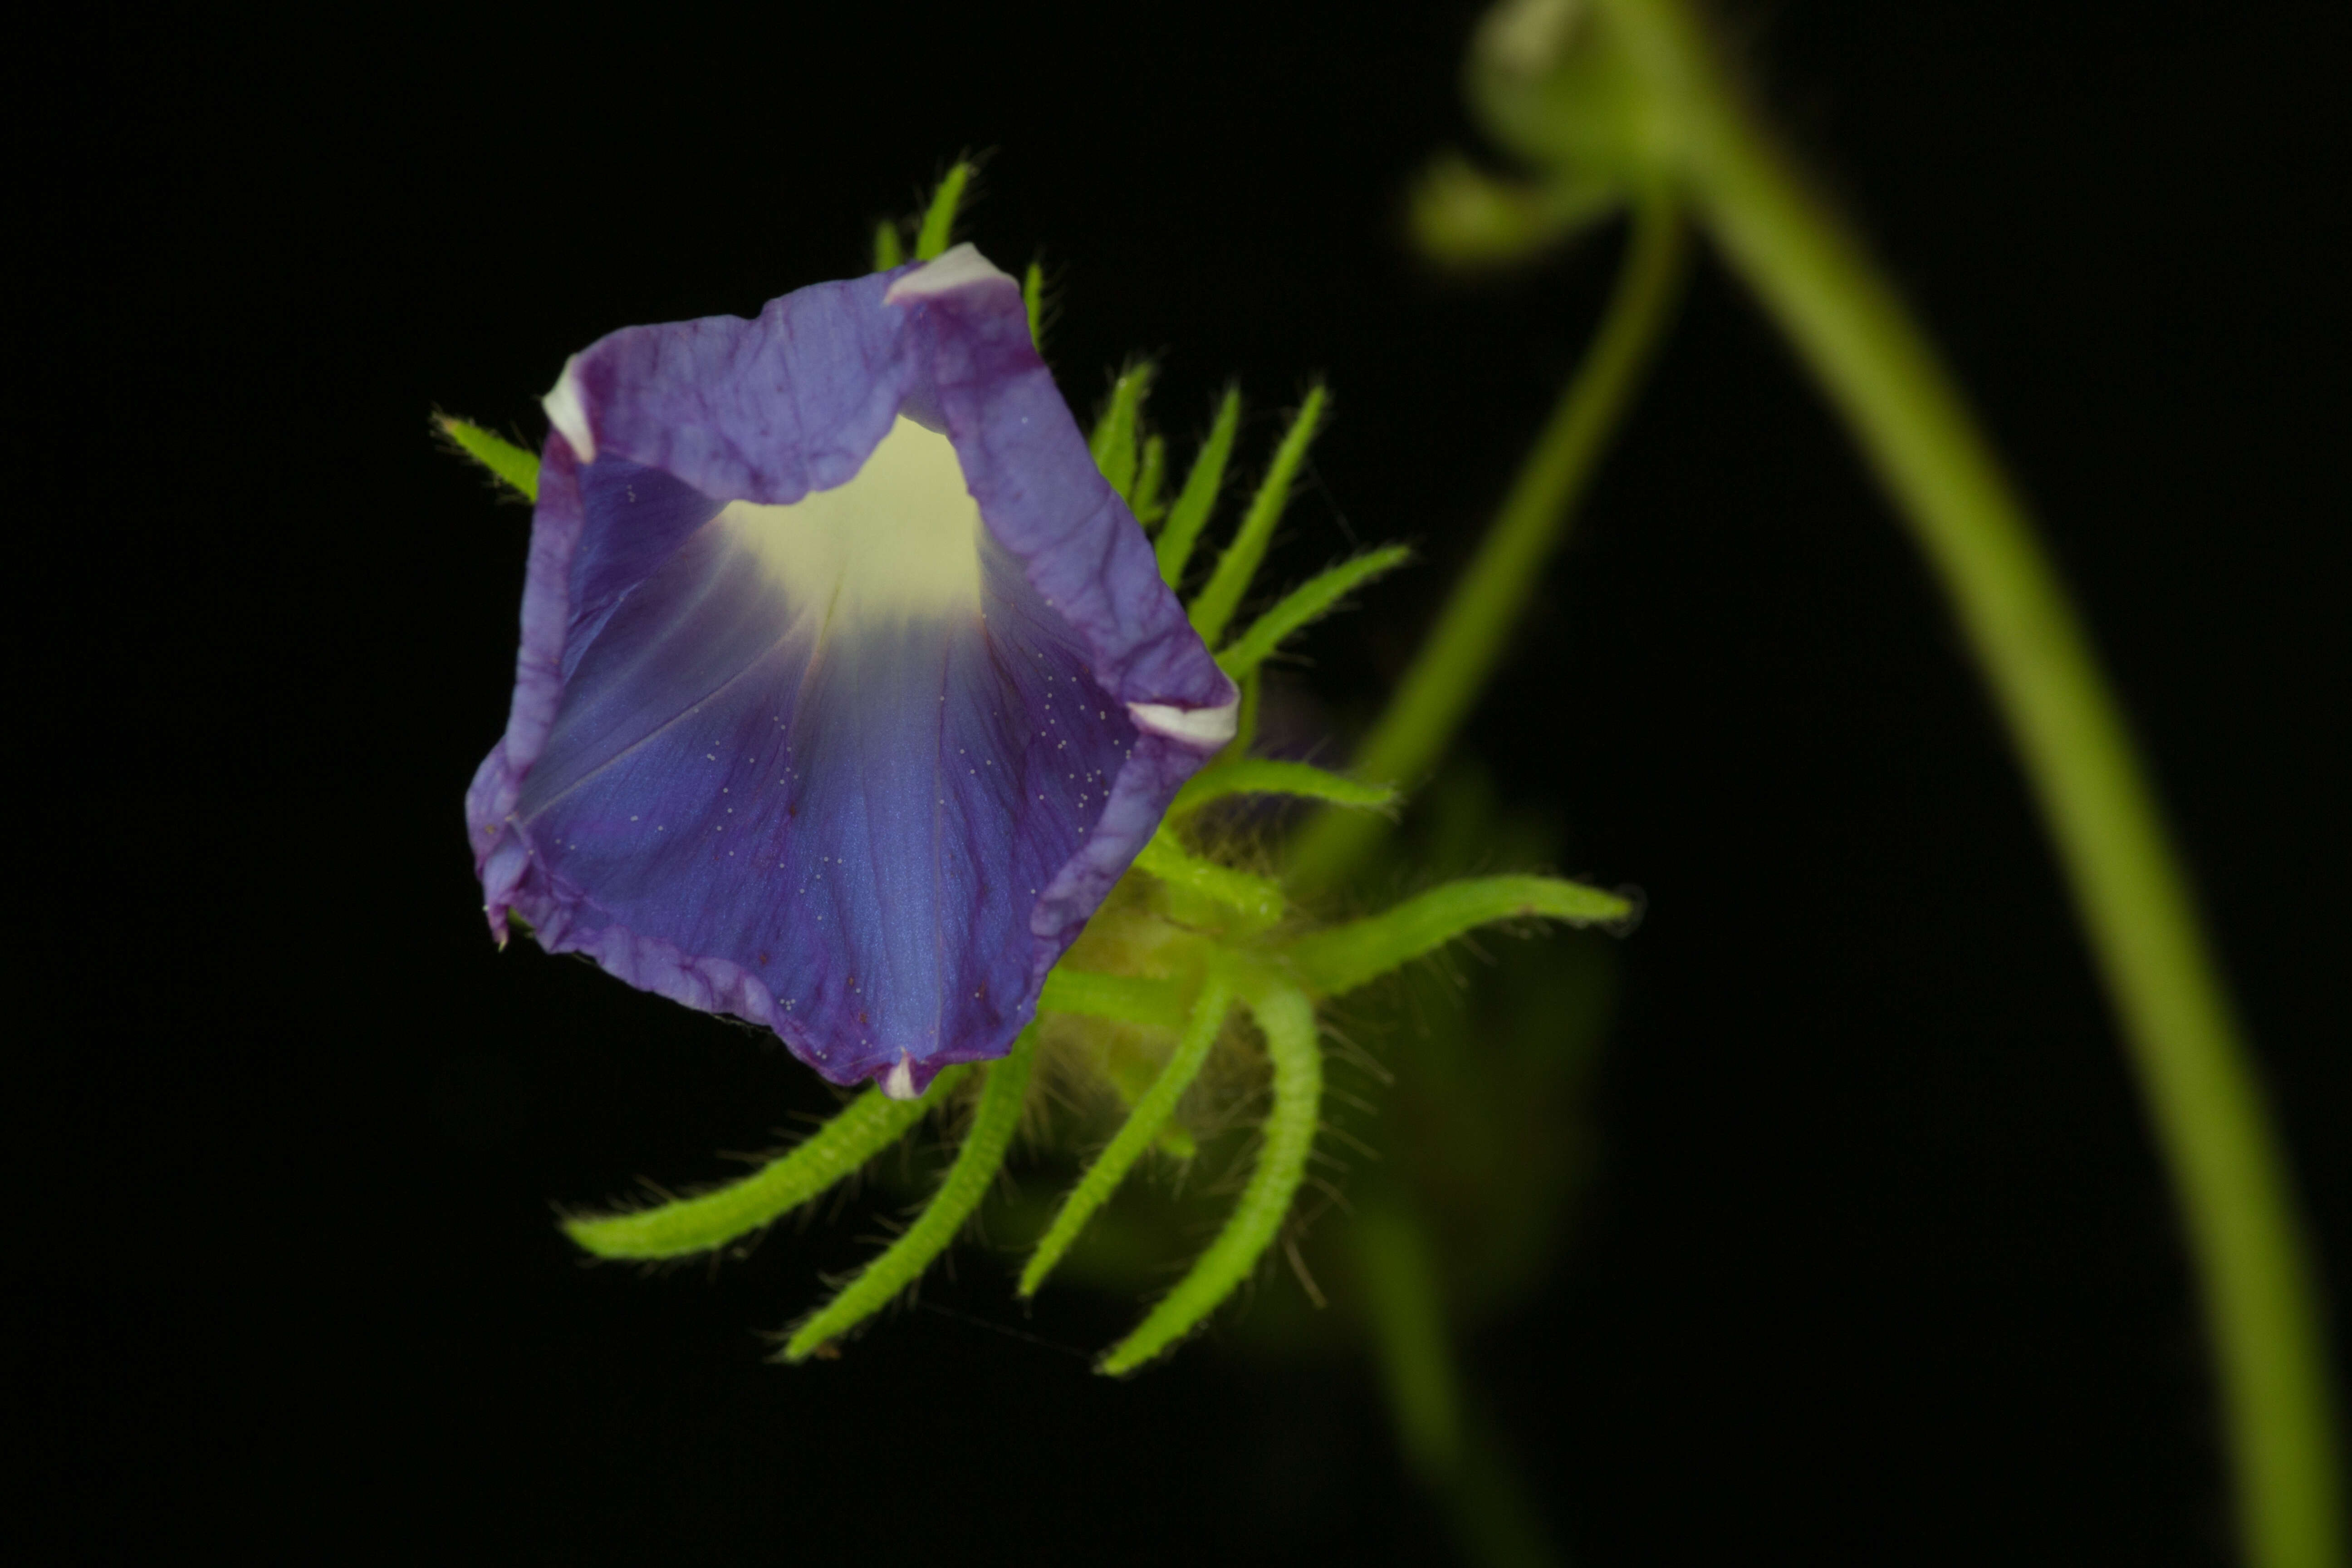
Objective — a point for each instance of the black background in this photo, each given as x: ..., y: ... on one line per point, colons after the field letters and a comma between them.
x: 1878, y: 1262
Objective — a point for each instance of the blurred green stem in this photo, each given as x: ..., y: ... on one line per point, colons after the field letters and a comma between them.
x: 1829, y: 295
x: 1443, y: 1447
x: 1462, y: 649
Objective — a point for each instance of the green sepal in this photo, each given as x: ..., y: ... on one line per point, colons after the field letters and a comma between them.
x: 1198, y: 498
x: 1032, y: 302
x: 706, y: 1221
x: 1262, y: 775
x: 1329, y: 963
x: 937, y: 230
x: 889, y: 249
x: 1256, y: 900
x: 1214, y: 607
x: 1311, y: 599
x: 1244, y: 718
x: 1143, y: 1126
x: 977, y: 1162
x: 1113, y: 442
x: 508, y: 463
x: 1127, y: 998
x: 1130, y: 1078
x: 1148, y: 507
x: 1286, y: 1020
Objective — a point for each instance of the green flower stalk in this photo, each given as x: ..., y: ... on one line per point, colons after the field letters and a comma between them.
x: 1628, y: 99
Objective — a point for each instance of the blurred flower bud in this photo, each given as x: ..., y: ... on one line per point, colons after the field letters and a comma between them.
x: 1546, y: 79
x: 1463, y: 216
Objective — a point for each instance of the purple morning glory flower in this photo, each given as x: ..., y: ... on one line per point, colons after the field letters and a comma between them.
x: 847, y: 685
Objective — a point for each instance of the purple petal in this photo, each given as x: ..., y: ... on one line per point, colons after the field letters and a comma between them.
x: 821, y: 719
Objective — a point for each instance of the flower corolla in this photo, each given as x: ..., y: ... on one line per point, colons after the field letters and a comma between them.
x: 847, y: 685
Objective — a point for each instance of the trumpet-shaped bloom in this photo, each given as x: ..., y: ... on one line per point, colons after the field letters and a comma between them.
x: 848, y: 686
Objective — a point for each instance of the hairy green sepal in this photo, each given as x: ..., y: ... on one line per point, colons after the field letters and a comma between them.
x: 968, y: 1180
x: 1285, y: 1017
x: 508, y: 463
x: 866, y: 1126
x: 1330, y: 963
x: 1137, y: 1133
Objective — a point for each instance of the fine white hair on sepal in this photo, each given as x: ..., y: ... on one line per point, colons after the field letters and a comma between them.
x: 898, y: 1083
x: 958, y: 269
x: 1207, y: 728
x: 569, y: 415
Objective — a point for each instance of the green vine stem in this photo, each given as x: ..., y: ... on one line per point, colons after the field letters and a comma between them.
x: 1878, y: 369
x: 1443, y: 1441
x: 1464, y: 646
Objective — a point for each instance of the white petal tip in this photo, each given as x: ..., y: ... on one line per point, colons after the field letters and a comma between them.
x: 959, y: 268
x: 1207, y: 728
x: 898, y: 1083
x: 569, y: 415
